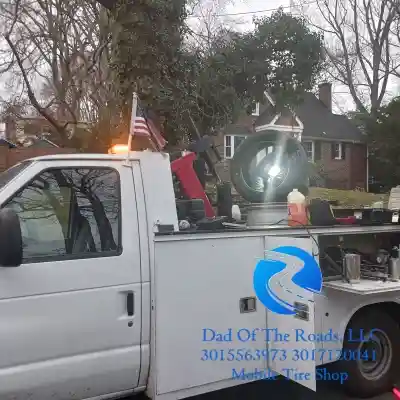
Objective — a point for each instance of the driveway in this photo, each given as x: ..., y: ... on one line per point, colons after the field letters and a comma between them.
x: 285, y: 390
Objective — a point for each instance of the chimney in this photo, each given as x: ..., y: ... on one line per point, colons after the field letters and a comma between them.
x: 10, y: 128
x: 325, y: 94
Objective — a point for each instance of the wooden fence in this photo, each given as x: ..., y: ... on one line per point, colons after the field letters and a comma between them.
x: 10, y: 157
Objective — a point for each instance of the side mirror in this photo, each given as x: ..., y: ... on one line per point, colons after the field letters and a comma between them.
x: 10, y: 239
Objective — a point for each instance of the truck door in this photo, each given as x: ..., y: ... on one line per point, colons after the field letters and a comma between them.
x: 290, y: 308
x: 72, y: 311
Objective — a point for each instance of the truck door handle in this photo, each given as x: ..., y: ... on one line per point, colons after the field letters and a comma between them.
x: 130, y: 304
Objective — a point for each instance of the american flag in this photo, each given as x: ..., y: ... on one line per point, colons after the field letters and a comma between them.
x: 145, y: 127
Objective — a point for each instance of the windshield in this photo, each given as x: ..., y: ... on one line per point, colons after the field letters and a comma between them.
x: 12, y: 172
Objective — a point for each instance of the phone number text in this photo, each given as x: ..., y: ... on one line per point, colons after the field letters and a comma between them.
x: 283, y: 354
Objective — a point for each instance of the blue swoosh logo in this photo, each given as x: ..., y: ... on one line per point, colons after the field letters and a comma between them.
x: 308, y: 278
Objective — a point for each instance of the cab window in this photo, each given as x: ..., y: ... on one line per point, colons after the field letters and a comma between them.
x: 73, y: 213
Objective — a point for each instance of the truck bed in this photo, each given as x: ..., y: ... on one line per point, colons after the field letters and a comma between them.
x: 200, y: 284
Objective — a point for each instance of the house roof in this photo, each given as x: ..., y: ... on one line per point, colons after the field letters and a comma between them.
x: 42, y: 142
x: 319, y: 122
x: 235, y: 129
x: 107, y: 3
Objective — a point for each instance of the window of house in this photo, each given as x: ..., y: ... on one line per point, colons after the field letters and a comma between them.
x: 255, y: 109
x: 232, y: 142
x: 72, y: 213
x: 338, y: 151
x: 309, y: 148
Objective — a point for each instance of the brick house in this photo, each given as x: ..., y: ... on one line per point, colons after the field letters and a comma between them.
x: 10, y: 156
x: 332, y: 142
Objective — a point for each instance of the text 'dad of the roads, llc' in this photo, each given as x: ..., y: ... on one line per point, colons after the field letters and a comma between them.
x: 274, y: 350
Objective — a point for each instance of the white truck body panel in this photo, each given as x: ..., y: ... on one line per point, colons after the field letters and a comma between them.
x: 157, y: 179
x: 204, y: 287
x: 282, y: 286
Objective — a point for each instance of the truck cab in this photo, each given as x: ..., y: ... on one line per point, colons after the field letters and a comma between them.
x: 76, y: 313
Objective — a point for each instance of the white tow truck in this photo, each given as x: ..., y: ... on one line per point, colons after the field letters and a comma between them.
x: 108, y: 297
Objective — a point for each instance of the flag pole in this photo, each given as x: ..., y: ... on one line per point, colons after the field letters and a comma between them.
x: 132, y: 123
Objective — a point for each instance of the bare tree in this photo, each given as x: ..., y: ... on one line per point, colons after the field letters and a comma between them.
x: 362, y: 47
x: 207, y: 25
x: 58, y: 52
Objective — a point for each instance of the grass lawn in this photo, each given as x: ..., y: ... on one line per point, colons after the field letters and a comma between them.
x: 347, y: 198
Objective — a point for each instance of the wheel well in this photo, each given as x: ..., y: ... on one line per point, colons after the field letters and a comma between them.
x: 388, y: 307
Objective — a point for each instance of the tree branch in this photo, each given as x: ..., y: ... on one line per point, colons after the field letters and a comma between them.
x: 31, y: 94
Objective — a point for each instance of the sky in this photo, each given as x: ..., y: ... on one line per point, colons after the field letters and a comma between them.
x: 239, y: 14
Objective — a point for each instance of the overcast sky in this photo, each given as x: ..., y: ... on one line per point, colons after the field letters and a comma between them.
x: 239, y: 14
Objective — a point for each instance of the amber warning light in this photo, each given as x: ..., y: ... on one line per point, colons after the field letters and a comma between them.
x: 118, y: 149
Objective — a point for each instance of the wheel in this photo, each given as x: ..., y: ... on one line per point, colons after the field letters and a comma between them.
x: 374, y: 335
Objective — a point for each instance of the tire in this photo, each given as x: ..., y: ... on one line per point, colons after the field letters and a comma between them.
x: 296, y: 165
x: 366, y: 382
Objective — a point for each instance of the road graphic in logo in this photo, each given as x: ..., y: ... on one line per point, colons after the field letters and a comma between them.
x: 288, y: 273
